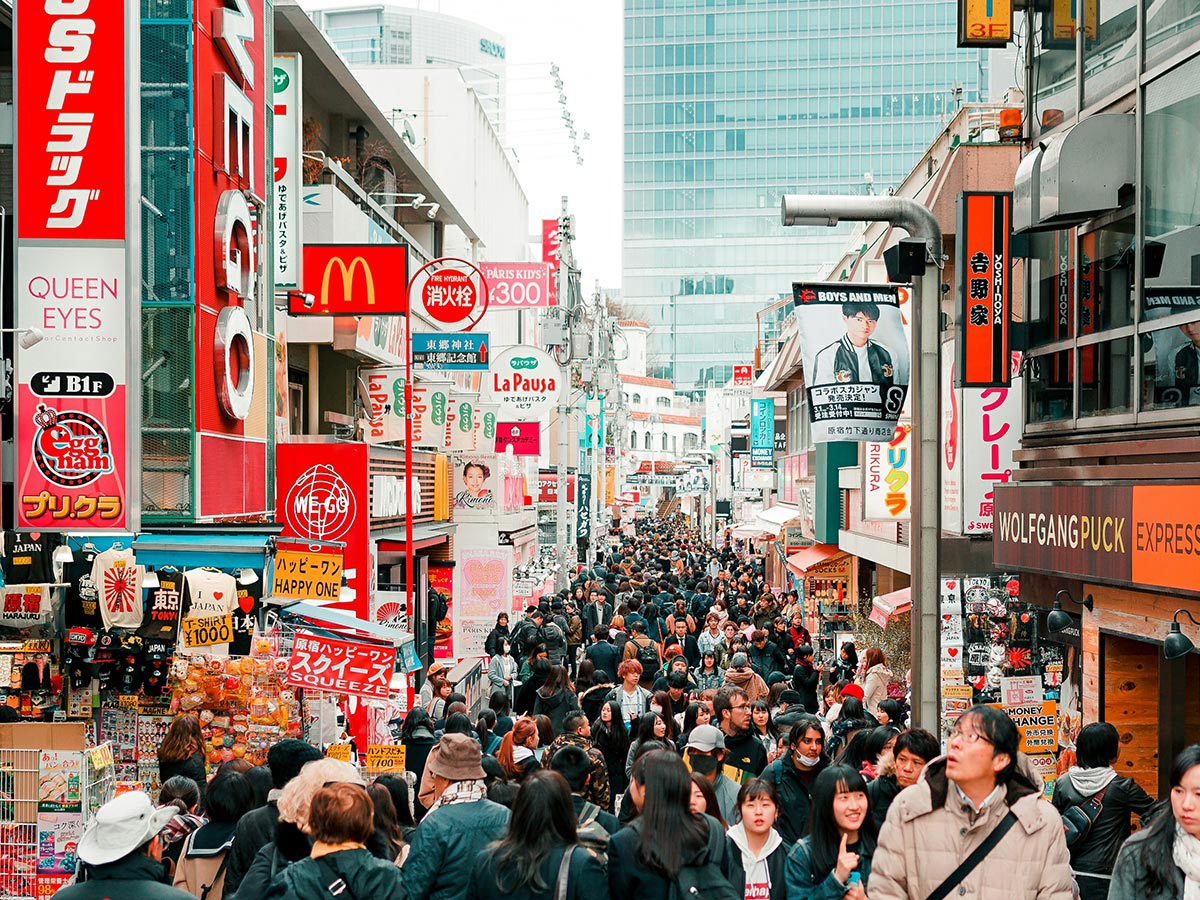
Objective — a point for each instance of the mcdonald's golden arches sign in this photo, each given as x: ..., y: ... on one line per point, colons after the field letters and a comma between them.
x: 353, y: 280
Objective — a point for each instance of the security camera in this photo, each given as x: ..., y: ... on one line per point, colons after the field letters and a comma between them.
x: 433, y: 210
x: 308, y: 301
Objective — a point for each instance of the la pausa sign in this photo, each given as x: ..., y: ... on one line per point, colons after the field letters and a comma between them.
x: 524, y: 382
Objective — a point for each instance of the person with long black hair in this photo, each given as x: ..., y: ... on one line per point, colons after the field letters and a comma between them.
x: 834, y: 860
x: 762, y: 861
x: 539, y: 851
x: 611, y: 738
x: 651, y: 727
x: 645, y: 859
x: 1162, y: 862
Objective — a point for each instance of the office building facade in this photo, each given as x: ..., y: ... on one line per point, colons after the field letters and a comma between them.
x: 729, y: 104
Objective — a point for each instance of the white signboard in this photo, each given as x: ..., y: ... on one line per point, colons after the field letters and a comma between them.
x: 524, y: 381
x: 886, y: 473
x: 385, y: 414
x: 288, y: 139
x: 856, y: 360
x: 951, y: 455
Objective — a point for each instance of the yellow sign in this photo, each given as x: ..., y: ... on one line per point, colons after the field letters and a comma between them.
x: 956, y: 699
x: 206, y: 631
x: 304, y: 575
x: 385, y: 758
x: 1037, y: 724
x: 127, y: 701
x: 1059, y: 32
x: 101, y: 757
x: 985, y: 23
x: 338, y: 751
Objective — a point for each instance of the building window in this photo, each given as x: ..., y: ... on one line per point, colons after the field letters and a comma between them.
x: 646, y: 442
x: 637, y: 399
x: 664, y: 441
x: 662, y: 402
x: 633, y: 440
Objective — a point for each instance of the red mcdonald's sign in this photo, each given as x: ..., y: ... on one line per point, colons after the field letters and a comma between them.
x: 353, y: 280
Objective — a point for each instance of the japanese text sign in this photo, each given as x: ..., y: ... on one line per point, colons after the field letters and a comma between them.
x: 207, y: 631
x: 886, y: 474
x: 762, y: 432
x: 519, y: 285
x: 305, y: 575
x: 743, y: 376
x: 524, y: 381
x: 991, y: 431
x: 985, y: 261
x: 1037, y: 724
x: 550, y: 246
x: 287, y: 139
x: 450, y: 351
x: 525, y: 438
x: 341, y: 667
x: 385, y: 758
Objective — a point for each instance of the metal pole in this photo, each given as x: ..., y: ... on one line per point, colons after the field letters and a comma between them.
x: 925, y: 549
x: 564, y: 405
x: 597, y: 452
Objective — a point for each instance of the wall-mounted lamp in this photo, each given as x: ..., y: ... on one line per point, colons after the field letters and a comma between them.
x: 1059, y: 618
x: 1176, y: 644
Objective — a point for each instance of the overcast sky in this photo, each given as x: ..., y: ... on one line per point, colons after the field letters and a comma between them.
x: 584, y: 39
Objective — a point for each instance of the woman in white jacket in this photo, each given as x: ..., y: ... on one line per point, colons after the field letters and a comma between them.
x: 761, y: 862
x: 875, y: 680
x: 502, y: 670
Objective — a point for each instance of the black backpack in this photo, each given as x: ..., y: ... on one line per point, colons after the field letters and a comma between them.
x: 647, y: 655
x: 705, y: 881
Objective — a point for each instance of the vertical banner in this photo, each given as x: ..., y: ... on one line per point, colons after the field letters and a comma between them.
x: 76, y: 302
x: 991, y: 431
x: 484, y: 589
x: 856, y: 359
x: 288, y: 140
x: 985, y: 264
x: 583, y: 509
x: 886, y: 474
x: 441, y: 579
x: 550, y: 255
x: 762, y: 433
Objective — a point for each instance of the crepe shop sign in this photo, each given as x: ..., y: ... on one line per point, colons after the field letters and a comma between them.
x: 341, y: 667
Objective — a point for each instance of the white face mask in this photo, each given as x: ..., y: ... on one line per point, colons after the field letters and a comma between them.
x: 654, y: 708
x: 809, y: 761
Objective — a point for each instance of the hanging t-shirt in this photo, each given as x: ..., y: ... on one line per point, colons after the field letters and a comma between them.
x: 245, y: 615
x: 28, y: 558
x: 166, y: 602
x: 82, y: 605
x: 209, y: 592
x: 115, y: 574
x: 24, y: 605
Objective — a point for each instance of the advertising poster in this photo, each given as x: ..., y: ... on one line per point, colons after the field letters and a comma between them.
x: 856, y: 361
x: 762, y: 433
x: 58, y: 839
x: 476, y: 481
x: 441, y: 579
x: 519, y: 285
x: 525, y: 438
x: 341, y: 667
x: 60, y: 781
x: 886, y: 478
x: 483, y: 591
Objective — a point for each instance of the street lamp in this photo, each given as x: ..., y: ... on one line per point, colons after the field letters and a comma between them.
x: 919, y: 222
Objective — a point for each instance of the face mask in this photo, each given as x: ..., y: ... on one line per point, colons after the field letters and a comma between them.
x: 655, y: 709
x: 705, y: 765
x: 808, y: 761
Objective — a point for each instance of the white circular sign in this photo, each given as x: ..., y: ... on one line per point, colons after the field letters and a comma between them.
x: 525, y: 382
x: 233, y: 348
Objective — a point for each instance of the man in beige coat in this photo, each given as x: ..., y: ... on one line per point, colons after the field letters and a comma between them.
x: 934, y: 825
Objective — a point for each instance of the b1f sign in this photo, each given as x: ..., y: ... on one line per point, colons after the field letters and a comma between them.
x: 76, y: 253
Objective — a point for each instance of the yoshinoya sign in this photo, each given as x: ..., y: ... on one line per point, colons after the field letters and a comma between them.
x: 1123, y: 534
x: 77, y: 259
x: 525, y: 285
x: 855, y: 355
x: 524, y: 381
x: 984, y: 262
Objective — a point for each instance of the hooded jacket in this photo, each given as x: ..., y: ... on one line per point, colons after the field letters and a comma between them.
x: 928, y: 833
x: 134, y: 877
x: 767, y: 867
x: 805, y: 883
x: 875, y: 687
x: 554, y: 706
x: 794, y: 794
x: 750, y: 682
x: 366, y: 878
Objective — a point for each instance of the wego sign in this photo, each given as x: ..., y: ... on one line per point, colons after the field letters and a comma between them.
x: 352, y: 280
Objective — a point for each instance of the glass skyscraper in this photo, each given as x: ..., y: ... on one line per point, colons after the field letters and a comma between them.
x: 729, y: 104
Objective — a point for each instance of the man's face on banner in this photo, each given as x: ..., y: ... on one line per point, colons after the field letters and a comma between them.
x: 859, y: 327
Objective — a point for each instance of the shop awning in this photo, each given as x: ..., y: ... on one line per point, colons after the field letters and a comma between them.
x: 345, y: 625
x: 805, y: 559
x: 745, y: 530
x: 777, y: 516
x: 221, y: 550
x: 782, y: 367
x: 885, y: 606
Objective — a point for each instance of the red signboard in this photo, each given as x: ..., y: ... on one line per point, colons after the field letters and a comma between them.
x: 341, y: 667
x: 548, y: 487
x: 525, y: 438
x: 985, y: 229
x: 519, y: 285
x: 321, y: 495
x: 353, y: 280
x: 743, y: 376
x: 70, y: 70
x: 449, y: 296
x: 550, y: 254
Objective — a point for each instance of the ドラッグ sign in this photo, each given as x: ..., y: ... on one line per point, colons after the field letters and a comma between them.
x: 524, y: 382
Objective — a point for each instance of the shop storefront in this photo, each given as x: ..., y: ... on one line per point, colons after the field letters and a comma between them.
x: 1126, y: 560
x: 829, y: 580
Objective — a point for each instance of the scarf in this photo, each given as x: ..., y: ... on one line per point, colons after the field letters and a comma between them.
x: 461, y: 792
x: 1090, y: 782
x: 1186, y: 854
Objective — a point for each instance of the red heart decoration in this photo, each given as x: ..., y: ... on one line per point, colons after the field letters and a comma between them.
x: 245, y: 601
x: 951, y: 584
x: 947, y: 616
x: 217, y: 595
x: 953, y: 651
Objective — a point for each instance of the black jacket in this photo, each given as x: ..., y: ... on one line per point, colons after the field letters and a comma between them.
x: 255, y: 830
x: 135, y: 877
x: 593, y: 617
x: 794, y: 796
x: 1098, y: 851
x: 746, y: 752
x: 585, y: 878
x: 366, y: 878
x: 605, y: 656
x: 691, y: 650
x: 768, y: 659
x: 882, y: 791
x: 805, y: 681
x: 555, y: 707
x: 491, y: 645
x: 630, y: 877
x: 192, y: 767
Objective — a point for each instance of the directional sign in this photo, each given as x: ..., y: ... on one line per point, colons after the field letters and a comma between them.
x: 450, y: 351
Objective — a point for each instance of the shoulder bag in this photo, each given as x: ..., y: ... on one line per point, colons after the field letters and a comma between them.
x: 1078, y: 819
x: 564, y: 874
x: 978, y: 855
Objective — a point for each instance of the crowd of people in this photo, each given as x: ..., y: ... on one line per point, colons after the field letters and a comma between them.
x: 658, y: 731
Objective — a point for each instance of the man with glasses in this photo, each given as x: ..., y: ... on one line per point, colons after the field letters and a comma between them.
x: 973, y: 825
x: 743, y: 750
x: 855, y: 358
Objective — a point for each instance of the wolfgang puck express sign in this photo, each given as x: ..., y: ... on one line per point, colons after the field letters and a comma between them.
x: 1128, y: 534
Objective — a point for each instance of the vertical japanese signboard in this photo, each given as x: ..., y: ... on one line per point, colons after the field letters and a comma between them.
x: 287, y: 139
x: 762, y: 433
x: 886, y: 474
x: 78, y: 184
x: 985, y: 23
x: 985, y: 260
x: 550, y: 255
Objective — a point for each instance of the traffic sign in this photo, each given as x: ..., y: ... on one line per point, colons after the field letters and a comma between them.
x: 451, y: 293
x: 461, y: 352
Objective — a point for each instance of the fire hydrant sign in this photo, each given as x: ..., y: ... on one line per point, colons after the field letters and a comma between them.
x: 304, y: 575
x: 451, y: 293
x: 385, y: 758
x: 341, y: 667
